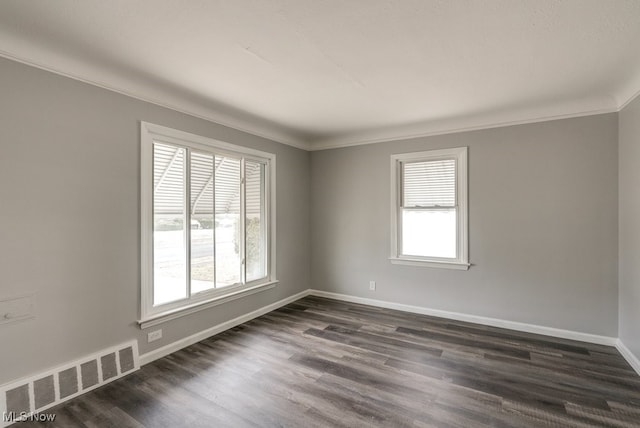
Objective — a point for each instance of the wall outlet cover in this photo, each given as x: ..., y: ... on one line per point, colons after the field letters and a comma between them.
x: 17, y: 308
x: 154, y: 335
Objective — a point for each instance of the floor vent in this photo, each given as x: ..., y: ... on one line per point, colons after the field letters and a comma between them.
x: 29, y: 397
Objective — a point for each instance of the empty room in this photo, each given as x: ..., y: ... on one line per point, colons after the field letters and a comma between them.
x: 320, y: 213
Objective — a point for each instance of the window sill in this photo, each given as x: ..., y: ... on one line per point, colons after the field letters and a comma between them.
x: 162, y: 317
x: 430, y: 263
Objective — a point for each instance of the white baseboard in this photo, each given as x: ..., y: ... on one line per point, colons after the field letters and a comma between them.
x: 493, y: 322
x: 216, y: 329
x: 628, y: 355
x: 182, y: 343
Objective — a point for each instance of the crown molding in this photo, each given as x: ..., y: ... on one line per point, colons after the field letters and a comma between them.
x: 601, y: 105
x: 449, y: 127
x: 630, y: 93
x: 176, y: 105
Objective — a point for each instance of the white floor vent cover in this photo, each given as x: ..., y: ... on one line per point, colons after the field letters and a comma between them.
x: 29, y: 397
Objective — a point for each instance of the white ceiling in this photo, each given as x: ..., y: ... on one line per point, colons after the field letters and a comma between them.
x: 325, y: 73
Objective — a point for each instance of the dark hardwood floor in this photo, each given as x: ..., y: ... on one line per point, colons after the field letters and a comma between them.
x: 323, y: 363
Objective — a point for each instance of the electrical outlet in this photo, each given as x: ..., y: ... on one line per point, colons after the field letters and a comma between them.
x: 154, y: 335
x: 17, y: 308
x: 372, y: 285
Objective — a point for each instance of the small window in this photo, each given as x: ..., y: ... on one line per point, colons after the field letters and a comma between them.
x: 429, y: 208
x: 207, y: 213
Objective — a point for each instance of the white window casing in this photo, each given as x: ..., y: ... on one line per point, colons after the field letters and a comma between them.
x: 191, y: 175
x: 429, y: 209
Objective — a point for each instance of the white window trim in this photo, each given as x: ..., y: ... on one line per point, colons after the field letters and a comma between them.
x: 461, y: 262
x: 149, y: 315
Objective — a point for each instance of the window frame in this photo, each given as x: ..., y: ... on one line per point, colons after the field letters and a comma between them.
x: 151, y: 315
x: 461, y: 261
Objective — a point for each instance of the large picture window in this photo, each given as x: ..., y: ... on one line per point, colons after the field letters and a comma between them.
x: 429, y: 208
x: 206, y: 221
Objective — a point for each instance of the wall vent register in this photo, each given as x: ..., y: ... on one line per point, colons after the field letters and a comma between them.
x: 37, y: 393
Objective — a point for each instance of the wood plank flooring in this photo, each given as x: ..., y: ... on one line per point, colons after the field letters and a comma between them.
x: 323, y: 363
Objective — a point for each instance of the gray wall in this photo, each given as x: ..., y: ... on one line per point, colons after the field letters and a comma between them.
x: 69, y: 218
x: 543, y: 210
x: 629, y: 119
x: 543, y: 222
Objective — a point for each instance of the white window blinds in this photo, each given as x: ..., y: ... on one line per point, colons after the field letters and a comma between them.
x: 429, y: 184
